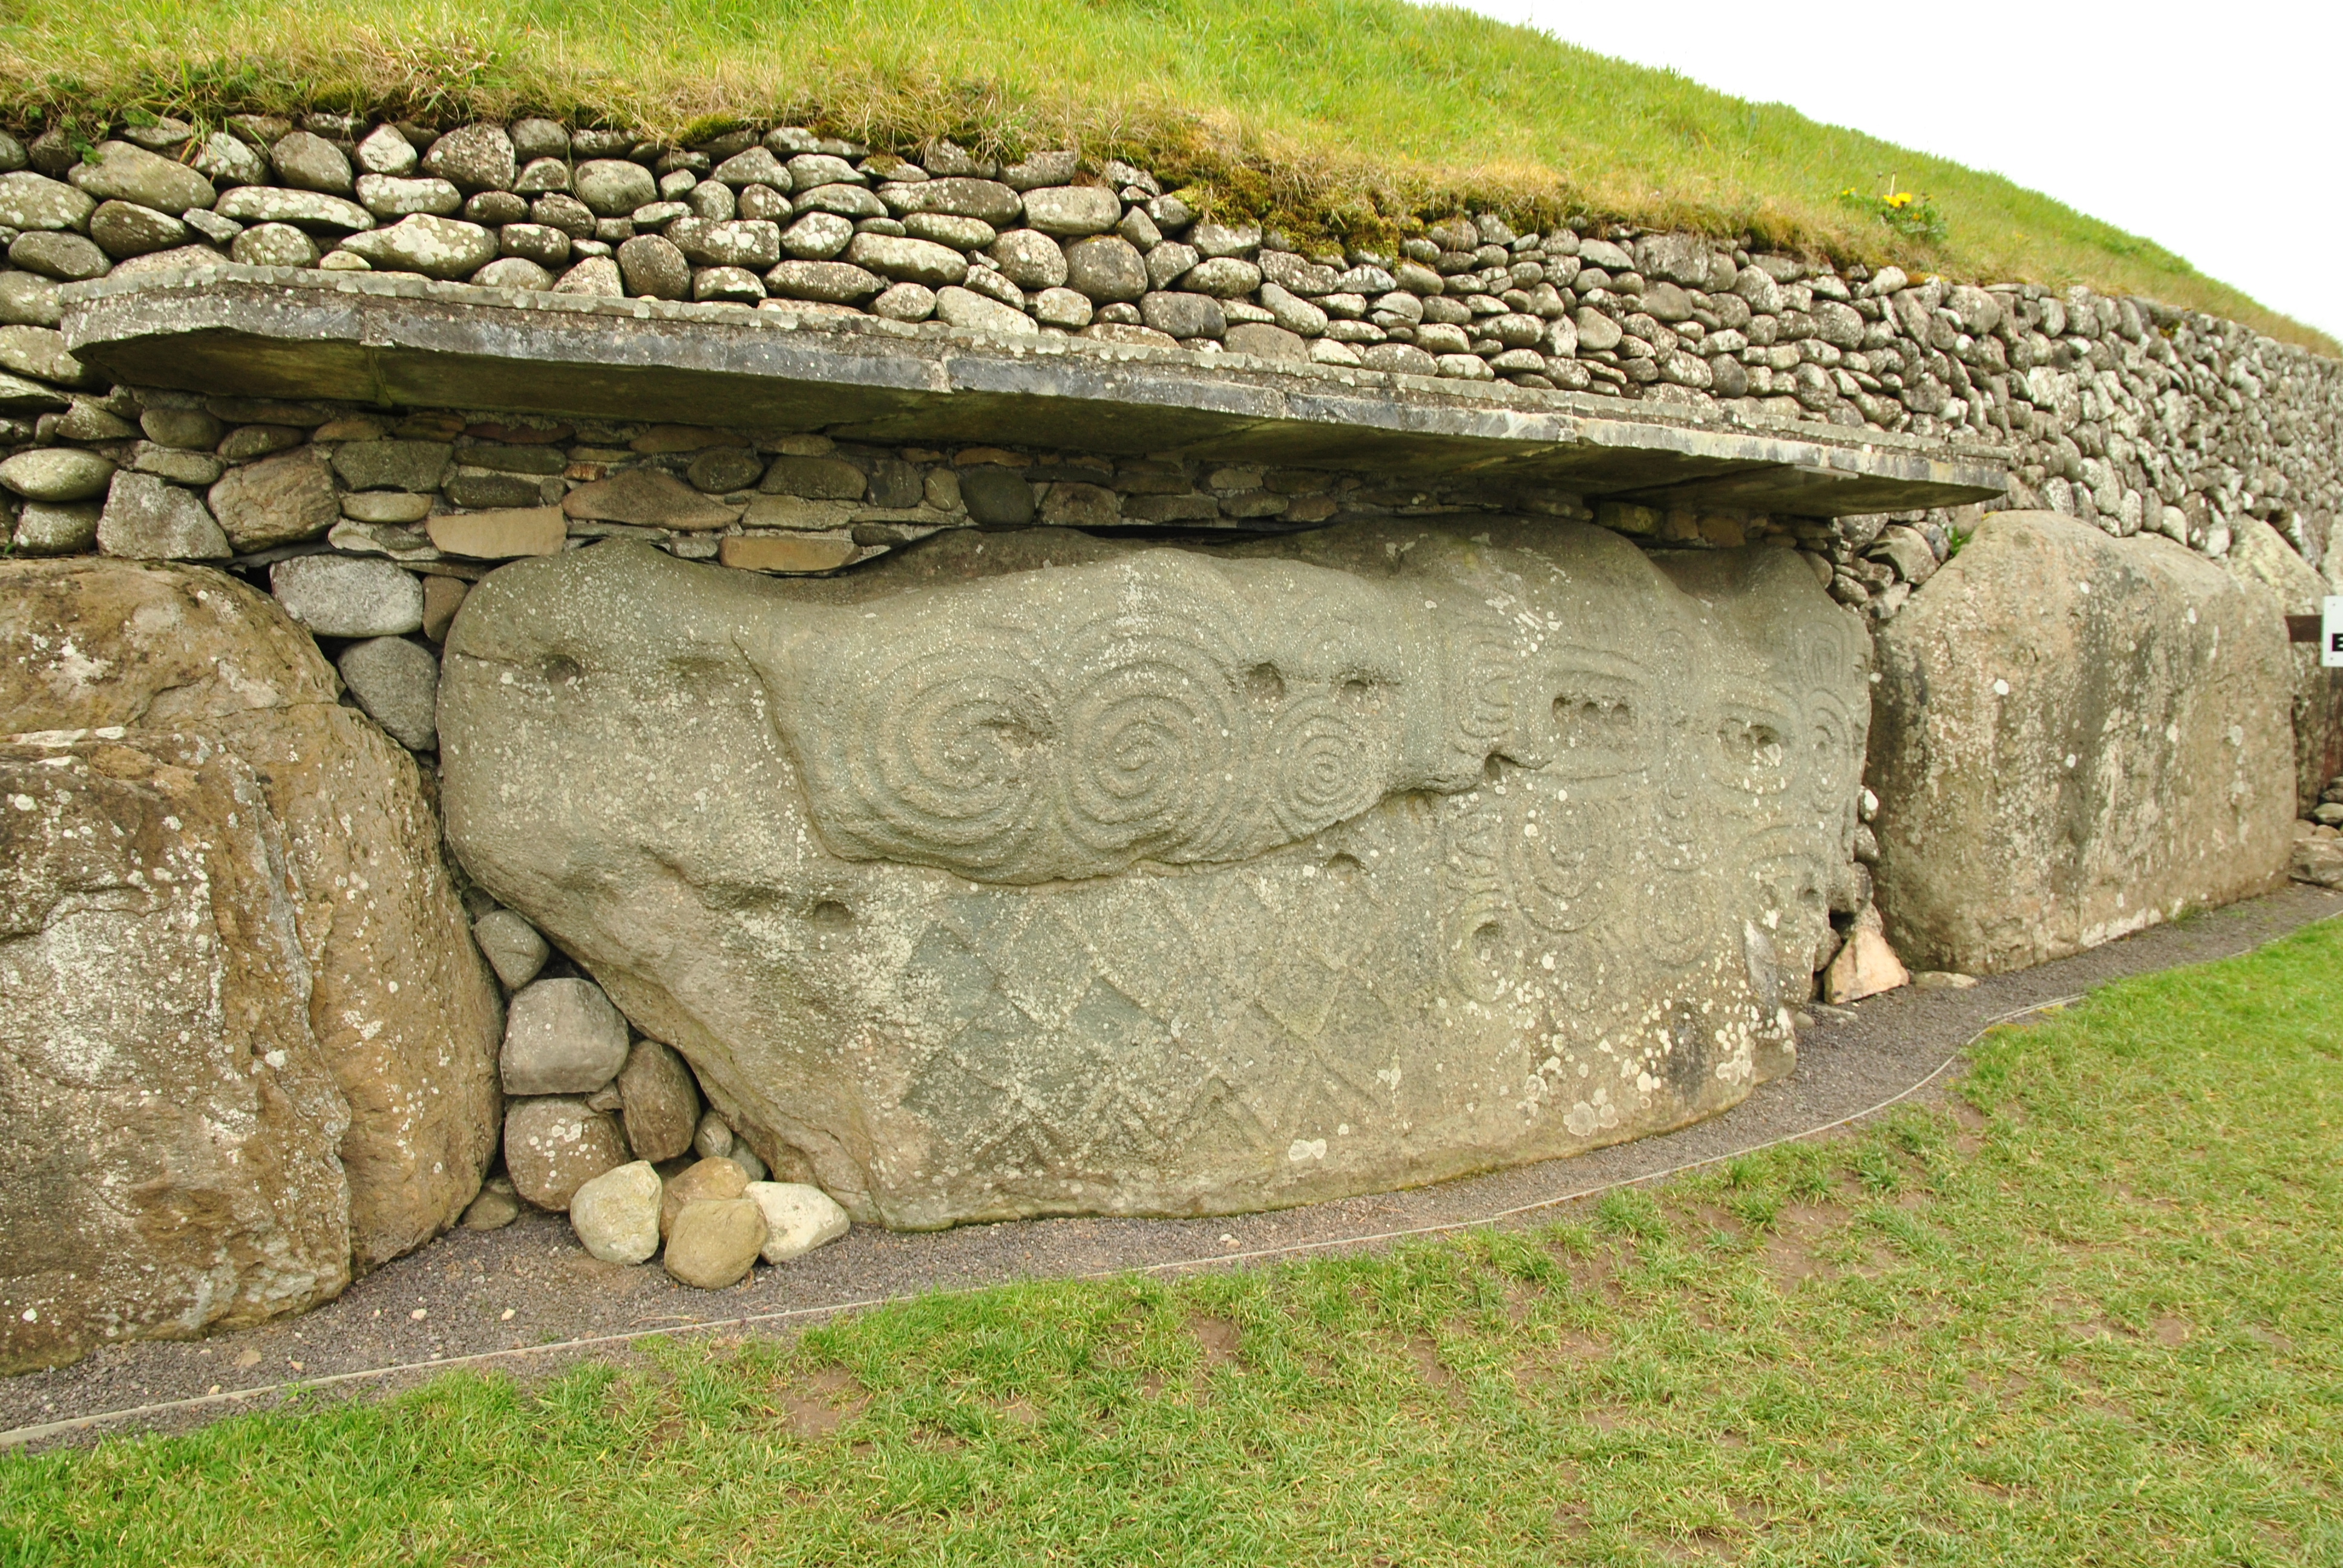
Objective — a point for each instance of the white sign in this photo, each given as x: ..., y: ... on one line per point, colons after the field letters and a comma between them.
x: 2330, y: 636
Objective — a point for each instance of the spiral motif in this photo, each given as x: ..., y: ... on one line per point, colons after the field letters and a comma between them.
x: 954, y: 756
x: 1327, y: 764
x: 1156, y: 739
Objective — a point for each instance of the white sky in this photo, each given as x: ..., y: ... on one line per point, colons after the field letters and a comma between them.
x: 2215, y: 129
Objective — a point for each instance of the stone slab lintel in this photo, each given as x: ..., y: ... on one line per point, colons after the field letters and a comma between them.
x: 397, y: 340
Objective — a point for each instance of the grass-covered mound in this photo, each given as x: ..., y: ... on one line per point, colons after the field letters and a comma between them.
x: 1343, y: 115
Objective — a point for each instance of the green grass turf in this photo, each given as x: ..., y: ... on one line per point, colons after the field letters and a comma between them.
x: 1334, y: 115
x: 2096, y: 1317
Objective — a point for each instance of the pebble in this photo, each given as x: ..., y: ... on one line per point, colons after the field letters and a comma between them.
x: 711, y: 1177
x: 306, y: 209
x: 661, y: 1100
x: 797, y: 1218
x: 972, y: 312
x: 337, y: 596
x: 31, y: 201
x: 496, y: 1206
x: 617, y: 1215
x: 512, y: 946
x: 273, y: 244
x: 555, y: 1145
x: 713, y: 1139
x: 397, y: 684
x: 67, y: 258
x: 475, y: 157
x: 277, y: 501
x: 310, y: 163
x: 714, y: 1242
x: 561, y: 1036
x: 120, y: 172
x: 56, y: 474
x: 1068, y: 211
x: 50, y: 528
x: 148, y: 518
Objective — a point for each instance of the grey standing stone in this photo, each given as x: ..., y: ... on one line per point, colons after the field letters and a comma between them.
x: 56, y: 474
x: 1068, y: 211
x: 561, y: 1036
x: 512, y: 947
x: 397, y: 684
x: 337, y: 596
x: 475, y: 157
x: 311, y: 163
x: 48, y: 528
x: 147, y: 518
x: 277, y: 501
x: 662, y: 1103
x: 617, y: 1215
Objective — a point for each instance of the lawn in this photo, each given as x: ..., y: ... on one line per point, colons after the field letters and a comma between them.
x: 2093, y: 1314
x: 1338, y: 116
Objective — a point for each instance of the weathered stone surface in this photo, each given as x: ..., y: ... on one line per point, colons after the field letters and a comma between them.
x: 337, y: 596
x: 148, y: 520
x: 797, y: 1218
x: 67, y: 258
x: 275, y: 501
x: 649, y: 497
x: 1072, y: 210
x: 972, y: 312
x: 311, y: 163
x: 203, y: 672
x: 2259, y: 554
x: 171, y: 1121
x: 2076, y: 735
x: 788, y: 554
x: 662, y: 1103
x: 123, y: 229
x: 312, y: 210
x: 556, y: 1145
x: 56, y: 474
x: 617, y: 1215
x: 714, y: 1242
x: 116, y: 171
x: 31, y: 201
x: 56, y: 528
x: 561, y: 1036
x: 1419, y: 863
x: 445, y: 248
x: 502, y: 534
x: 713, y: 1177
x: 397, y: 684
x: 511, y: 945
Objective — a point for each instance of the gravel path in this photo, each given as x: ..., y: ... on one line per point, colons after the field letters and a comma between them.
x: 522, y: 1299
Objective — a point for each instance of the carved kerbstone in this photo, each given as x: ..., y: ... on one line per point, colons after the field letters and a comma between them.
x: 1033, y: 873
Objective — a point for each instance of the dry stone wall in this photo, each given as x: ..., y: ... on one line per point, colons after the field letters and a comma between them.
x: 2121, y: 412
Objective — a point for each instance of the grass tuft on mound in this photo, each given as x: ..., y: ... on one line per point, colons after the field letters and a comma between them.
x: 2095, y: 1317
x: 1341, y: 116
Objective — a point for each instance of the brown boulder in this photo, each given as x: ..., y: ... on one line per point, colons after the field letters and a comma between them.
x: 397, y: 999
x: 709, y: 1179
x: 555, y: 1144
x: 168, y: 1117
